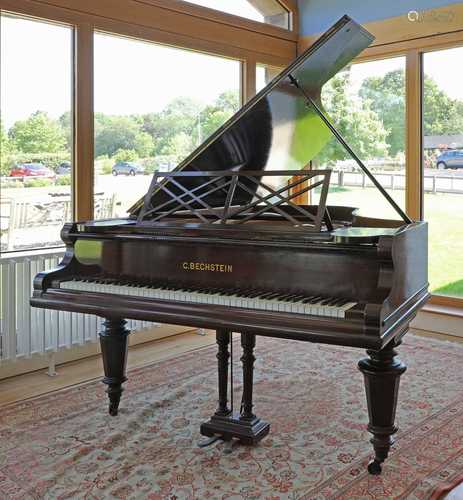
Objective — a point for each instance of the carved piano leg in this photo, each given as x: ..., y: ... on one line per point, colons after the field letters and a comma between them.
x: 223, y: 356
x: 248, y: 342
x: 113, y: 341
x: 244, y: 426
x: 382, y: 371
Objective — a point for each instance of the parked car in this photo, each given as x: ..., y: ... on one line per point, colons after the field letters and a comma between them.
x: 450, y: 159
x: 64, y: 168
x: 32, y: 170
x: 127, y: 168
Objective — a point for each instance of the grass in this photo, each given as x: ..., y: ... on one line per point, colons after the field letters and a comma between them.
x: 444, y: 214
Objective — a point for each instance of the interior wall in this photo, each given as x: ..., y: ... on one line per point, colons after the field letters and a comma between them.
x: 315, y: 16
x: 389, y: 22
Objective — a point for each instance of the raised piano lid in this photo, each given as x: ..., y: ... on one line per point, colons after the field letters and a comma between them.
x: 276, y: 130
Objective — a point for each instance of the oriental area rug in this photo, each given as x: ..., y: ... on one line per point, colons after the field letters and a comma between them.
x: 64, y: 445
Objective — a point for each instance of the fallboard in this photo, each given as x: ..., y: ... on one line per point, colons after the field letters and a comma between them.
x: 343, y: 273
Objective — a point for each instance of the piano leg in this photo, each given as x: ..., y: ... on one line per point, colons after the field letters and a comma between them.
x: 114, y: 341
x: 223, y: 356
x: 245, y: 426
x: 382, y: 371
x: 248, y: 343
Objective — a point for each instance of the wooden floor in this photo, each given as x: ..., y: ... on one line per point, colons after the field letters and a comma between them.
x: 37, y: 383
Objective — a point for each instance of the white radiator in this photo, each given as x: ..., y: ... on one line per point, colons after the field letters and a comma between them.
x: 25, y: 330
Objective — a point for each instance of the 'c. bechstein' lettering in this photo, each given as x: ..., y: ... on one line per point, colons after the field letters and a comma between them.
x: 206, y: 266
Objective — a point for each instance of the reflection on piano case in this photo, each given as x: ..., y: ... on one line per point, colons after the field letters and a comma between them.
x: 219, y: 243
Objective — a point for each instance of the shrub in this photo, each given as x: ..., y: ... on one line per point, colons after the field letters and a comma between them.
x: 5, y: 184
x: 33, y: 183
x: 107, y: 167
x: 148, y: 164
x: 63, y: 180
x: 125, y: 155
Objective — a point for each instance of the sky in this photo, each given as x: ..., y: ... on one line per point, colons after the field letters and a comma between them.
x: 137, y: 77
x: 238, y: 7
x: 130, y: 76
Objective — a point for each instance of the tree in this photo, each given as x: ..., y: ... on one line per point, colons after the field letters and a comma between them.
x: 180, y: 145
x: 38, y: 133
x: 6, y: 148
x: 386, y: 95
x: 65, y: 121
x: 356, y: 122
x: 125, y: 155
x: 441, y: 114
x: 178, y: 117
x: 216, y: 114
x: 228, y: 101
x: 113, y: 133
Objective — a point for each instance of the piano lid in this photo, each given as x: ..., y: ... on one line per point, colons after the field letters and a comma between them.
x: 275, y: 130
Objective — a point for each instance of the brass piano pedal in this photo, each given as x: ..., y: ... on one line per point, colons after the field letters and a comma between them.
x: 210, y: 441
x: 228, y: 446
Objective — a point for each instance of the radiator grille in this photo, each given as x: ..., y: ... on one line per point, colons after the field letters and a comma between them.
x: 26, y: 330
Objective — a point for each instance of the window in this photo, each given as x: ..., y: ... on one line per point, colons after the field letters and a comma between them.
x: 443, y: 169
x: 263, y: 11
x: 264, y: 75
x: 366, y: 103
x: 36, y: 132
x: 153, y: 106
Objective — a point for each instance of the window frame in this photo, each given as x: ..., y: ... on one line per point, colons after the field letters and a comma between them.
x: 206, y: 12
x: 413, y: 50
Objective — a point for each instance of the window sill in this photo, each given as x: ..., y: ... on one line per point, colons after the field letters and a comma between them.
x: 446, y: 310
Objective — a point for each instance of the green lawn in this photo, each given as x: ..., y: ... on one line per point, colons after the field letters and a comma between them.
x: 443, y: 212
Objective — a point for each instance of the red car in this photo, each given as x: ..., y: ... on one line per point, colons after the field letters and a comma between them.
x: 32, y: 170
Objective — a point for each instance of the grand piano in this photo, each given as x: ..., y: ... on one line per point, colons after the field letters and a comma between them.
x: 221, y: 243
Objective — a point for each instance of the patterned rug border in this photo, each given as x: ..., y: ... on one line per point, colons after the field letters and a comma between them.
x: 404, y: 441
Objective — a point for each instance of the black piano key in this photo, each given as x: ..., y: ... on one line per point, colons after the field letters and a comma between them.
x: 282, y: 296
x: 307, y: 299
x: 290, y: 298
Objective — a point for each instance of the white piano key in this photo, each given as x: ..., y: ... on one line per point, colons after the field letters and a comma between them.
x: 240, y: 299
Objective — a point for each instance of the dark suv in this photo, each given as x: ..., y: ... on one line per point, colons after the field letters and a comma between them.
x: 450, y: 159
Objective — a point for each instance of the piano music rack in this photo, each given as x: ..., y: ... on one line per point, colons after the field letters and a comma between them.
x: 265, y: 199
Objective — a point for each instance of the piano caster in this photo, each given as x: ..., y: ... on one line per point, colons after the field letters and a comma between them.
x: 374, y: 468
x: 113, y: 409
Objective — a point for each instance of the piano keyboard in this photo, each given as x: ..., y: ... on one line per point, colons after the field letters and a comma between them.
x: 244, y: 298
